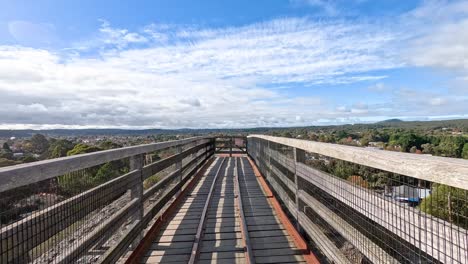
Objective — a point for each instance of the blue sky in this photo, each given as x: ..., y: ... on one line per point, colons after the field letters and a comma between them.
x: 173, y: 64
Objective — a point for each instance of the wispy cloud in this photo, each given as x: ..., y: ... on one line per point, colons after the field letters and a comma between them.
x: 327, y: 6
x: 28, y: 33
x: 443, y: 38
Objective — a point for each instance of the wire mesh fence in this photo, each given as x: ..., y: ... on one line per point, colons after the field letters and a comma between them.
x: 97, y: 209
x: 359, y: 214
x: 231, y: 144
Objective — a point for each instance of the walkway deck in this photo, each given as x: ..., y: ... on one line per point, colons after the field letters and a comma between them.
x: 212, y: 232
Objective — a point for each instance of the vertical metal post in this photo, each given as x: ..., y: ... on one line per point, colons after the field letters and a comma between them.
x: 299, y: 157
x: 246, y: 146
x: 194, y: 155
x: 213, y: 146
x: 178, y: 165
x: 268, y: 152
x: 136, y: 192
x: 230, y: 146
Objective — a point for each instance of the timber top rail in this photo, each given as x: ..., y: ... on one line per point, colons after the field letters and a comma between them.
x: 448, y: 171
x: 409, y: 216
x: 19, y: 175
x: 91, y: 214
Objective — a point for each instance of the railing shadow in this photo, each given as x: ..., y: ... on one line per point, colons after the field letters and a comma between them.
x: 176, y: 240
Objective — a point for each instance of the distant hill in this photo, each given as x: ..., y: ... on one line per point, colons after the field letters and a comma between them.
x: 395, y: 120
x: 390, y: 123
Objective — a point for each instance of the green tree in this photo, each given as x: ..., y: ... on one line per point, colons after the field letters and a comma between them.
x: 407, y: 140
x: 7, y: 162
x: 365, y: 140
x: 76, y: 182
x: 106, y: 172
x: 109, y: 145
x: 447, y: 203
x: 344, y: 169
x: 427, y: 148
x: 59, y: 148
x: 465, y: 151
x: 28, y: 158
x: 313, y: 137
x: 6, y: 147
x: 6, y: 155
x: 341, y: 134
x: 82, y: 149
x: 6, y: 152
x: 287, y: 134
x: 39, y: 144
x: 451, y: 146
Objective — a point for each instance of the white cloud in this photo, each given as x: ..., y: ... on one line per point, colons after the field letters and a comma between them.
x: 177, y: 76
x: 109, y: 38
x: 446, y: 46
x: 328, y: 6
x: 378, y: 87
x: 442, y: 36
x: 209, y: 78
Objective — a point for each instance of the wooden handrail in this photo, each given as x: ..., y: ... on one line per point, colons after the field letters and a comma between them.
x: 23, y: 174
x: 449, y: 171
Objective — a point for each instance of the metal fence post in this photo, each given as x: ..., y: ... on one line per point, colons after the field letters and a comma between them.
x: 194, y: 155
x: 268, y: 152
x: 136, y: 192
x: 299, y: 157
x: 178, y: 165
x: 230, y: 146
x: 246, y: 145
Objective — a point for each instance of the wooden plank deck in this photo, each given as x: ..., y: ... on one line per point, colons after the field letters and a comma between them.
x: 271, y: 243
x: 222, y: 240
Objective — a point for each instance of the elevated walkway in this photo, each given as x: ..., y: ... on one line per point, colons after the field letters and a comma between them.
x: 255, y: 199
x: 220, y: 236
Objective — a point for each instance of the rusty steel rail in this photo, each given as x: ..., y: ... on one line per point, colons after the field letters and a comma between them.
x: 137, y: 254
x: 301, y: 244
x: 244, y: 229
x: 201, y: 225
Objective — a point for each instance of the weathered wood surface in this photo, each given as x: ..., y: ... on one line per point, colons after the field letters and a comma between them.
x: 85, y: 243
x: 449, y: 171
x: 153, y: 189
x: 158, y: 166
x: 222, y: 240
x: 360, y: 241
x: 201, y: 226
x: 328, y: 248
x: 40, y: 226
x: 240, y: 193
x: 435, y: 237
x: 270, y: 242
x: 48, y: 222
x: 24, y: 174
x: 155, y: 209
x: 439, y: 239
